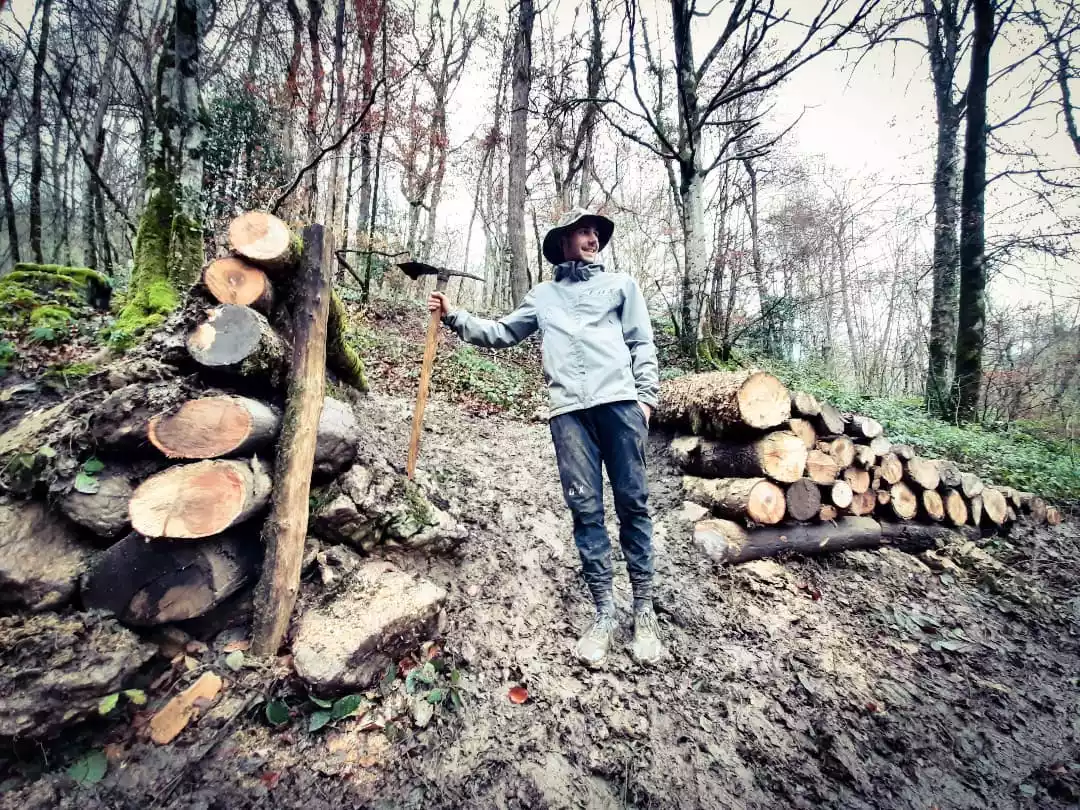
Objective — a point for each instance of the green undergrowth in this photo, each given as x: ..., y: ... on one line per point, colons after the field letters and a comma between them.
x: 1015, y: 455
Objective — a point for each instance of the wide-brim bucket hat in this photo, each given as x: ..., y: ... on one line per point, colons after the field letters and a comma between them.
x: 553, y: 251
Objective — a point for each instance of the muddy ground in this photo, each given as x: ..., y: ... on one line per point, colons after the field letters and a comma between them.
x: 858, y: 680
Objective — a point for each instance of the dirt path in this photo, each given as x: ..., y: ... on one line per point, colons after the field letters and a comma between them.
x: 861, y: 680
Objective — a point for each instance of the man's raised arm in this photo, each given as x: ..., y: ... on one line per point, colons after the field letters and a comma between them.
x: 507, y: 331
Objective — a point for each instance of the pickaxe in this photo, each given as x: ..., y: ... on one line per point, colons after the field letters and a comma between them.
x: 415, y: 270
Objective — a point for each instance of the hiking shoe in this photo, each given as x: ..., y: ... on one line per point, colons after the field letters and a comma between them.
x: 646, y: 648
x: 592, y: 648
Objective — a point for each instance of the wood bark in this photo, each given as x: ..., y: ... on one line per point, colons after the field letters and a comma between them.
x: 803, y: 500
x: 36, y: 124
x: 232, y: 280
x: 190, y: 501
x: 971, y: 324
x: 146, y: 583
x: 904, y: 452
x: 214, y: 426
x: 286, y: 528
x: 727, y: 542
x: 264, y: 240
x: 518, y: 151
x: 1034, y: 506
x: 780, y: 456
x: 720, y: 402
x: 903, y: 502
x: 755, y: 499
x: 337, y: 440
x: 238, y: 340
x: 104, y: 512
x: 821, y: 467
x: 922, y: 472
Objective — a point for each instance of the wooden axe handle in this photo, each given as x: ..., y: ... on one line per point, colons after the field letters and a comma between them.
x: 421, y: 397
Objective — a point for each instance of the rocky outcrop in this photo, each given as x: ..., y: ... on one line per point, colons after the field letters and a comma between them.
x: 40, y: 557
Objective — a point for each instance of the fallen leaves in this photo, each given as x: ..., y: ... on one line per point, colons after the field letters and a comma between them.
x: 182, y: 709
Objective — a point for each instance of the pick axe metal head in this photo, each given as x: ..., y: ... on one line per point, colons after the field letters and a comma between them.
x: 415, y: 270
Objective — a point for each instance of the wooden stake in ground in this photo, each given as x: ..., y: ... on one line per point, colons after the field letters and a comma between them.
x: 741, y: 498
x: 286, y: 528
x: 780, y: 456
x: 214, y: 426
x: 203, y: 499
x: 718, y: 402
x: 233, y: 281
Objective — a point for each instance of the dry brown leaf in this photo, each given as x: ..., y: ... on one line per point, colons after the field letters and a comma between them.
x: 237, y: 646
x: 178, y: 712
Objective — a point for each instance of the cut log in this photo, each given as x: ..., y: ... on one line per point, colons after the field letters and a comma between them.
x: 840, y: 494
x: 975, y: 507
x: 780, y: 456
x: 922, y: 472
x: 1010, y: 514
x: 754, y: 499
x: 903, y: 502
x: 830, y: 422
x: 883, y: 497
x: 995, y: 507
x: 956, y: 510
x: 718, y: 403
x: 932, y: 505
x: 233, y: 281
x: 842, y: 449
x: 828, y: 512
x: 146, y: 583
x: 858, y: 480
x: 865, y: 456
x: 971, y: 485
x: 213, y: 427
x: 727, y: 543
x: 804, y: 404
x: 805, y: 431
x: 263, y: 239
x: 1012, y: 495
x: 880, y: 446
x: 863, y: 503
x: 905, y: 452
x: 1053, y: 516
x: 1034, y: 506
x: 864, y: 427
x: 821, y: 467
x: 190, y: 501
x: 803, y: 500
x: 948, y: 474
x: 286, y: 528
x: 238, y: 340
x: 891, y: 469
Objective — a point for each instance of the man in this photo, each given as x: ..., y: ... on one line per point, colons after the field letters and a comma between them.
x: 600, y: 364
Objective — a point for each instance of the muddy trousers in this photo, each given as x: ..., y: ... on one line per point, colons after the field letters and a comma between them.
x: 614, y: 435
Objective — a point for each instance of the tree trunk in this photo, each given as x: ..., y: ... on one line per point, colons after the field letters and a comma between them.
x: 35, y: 127
x: 339, y: 115
x: 315, y: 12
x: 9, y: 202
x: 190, y: 501
x: 972, y: 317
x: 780, y: 456
x: 519, y: 148
x: 286, y: 527
x: 740, y: 498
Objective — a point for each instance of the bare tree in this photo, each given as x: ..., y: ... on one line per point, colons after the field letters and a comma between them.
x: 519, y: 136
x: 36, y: 119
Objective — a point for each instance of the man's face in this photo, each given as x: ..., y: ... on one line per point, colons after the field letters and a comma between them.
x: 581, y: 244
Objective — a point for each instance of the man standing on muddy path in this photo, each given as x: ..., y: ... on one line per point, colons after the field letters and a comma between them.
x: 601, y: 369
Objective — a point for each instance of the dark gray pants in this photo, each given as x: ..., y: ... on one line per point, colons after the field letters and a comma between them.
x: 614, y: 435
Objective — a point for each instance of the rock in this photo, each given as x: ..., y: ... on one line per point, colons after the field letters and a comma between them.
x: 40, y: 559
x: 337, y: 438
x: 105, y: 512
x: 55, y: 669
x: 369, y: 506
x: 382, y: 614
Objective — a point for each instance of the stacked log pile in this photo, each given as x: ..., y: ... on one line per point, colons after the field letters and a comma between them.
x: 759, y: 456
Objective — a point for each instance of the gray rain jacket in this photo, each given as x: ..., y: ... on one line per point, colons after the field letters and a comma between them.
x: 597, y: 339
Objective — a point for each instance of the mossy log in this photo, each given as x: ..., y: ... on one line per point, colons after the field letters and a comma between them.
x: 53, y: 281
x: 264, y: 240
x: 197, y: 500
x: 719, y: 403
x: 803, y: 500
x: 239, y: 341
x: 780, y: 456
x: 728, y: 543
x: 231, y: 280
x: 754, y: 499
x: 146, y: 583
x: 342, y: 358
